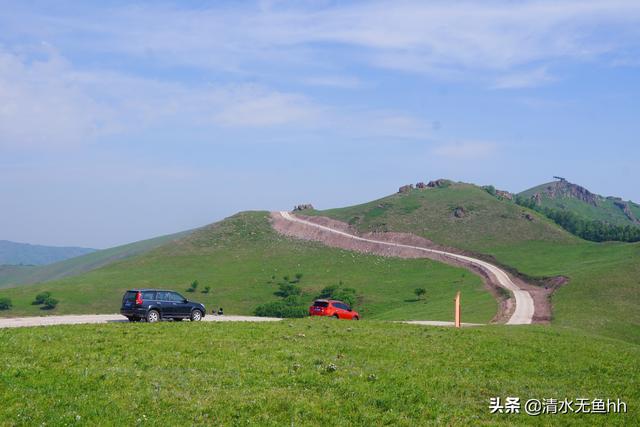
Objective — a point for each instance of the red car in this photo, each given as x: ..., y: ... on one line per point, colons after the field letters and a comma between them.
x: 333, y: 308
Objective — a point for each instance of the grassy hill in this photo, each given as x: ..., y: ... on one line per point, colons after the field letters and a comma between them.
x: 20, y: 275
x: 242, y: 257
x: 12, y: 253
x: 565, y: 196
x: 306, y: 372
x: 604, y: 289
x: 483, y: 221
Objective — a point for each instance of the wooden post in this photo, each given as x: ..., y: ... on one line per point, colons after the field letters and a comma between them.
x: 457, y: 310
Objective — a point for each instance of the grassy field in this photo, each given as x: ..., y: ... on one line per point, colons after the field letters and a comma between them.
x: 305, y: 372
x: 238, y: 258
x: 603, y: 294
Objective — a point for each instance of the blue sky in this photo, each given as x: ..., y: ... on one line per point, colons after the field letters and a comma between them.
x: 126, y: 120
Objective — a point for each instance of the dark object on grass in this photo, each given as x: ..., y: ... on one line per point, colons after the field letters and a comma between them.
x: 220, y: 312
x: 5, y: 303
x: 41, y: 298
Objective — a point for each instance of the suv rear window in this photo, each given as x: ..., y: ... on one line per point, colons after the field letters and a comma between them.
x: 129, y: 296
x: 321, y: 304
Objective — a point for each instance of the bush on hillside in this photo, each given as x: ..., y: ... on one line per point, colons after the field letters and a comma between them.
x: 337, y: 292
x: 282, y: 308
x: 5, y: 303
x: 193, y: 287
x: 287, y: 289
x: 206, y: 289
x: 419, y: 292
x: 49, y: 304
x: 41, y: 298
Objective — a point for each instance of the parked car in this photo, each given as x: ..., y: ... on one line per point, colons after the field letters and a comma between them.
x: 333, y: 308
x: 153, y: 305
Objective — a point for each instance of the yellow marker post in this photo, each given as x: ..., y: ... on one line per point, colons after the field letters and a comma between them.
x: 457, y: 310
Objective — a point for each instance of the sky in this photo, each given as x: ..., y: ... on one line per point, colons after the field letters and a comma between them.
x: 121, y: 121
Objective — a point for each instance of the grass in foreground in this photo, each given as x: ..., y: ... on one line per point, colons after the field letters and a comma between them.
x: 305, y: 372
x: 237, y: 258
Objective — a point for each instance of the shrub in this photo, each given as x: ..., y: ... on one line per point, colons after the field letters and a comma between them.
x: 206, y: 289
x: 193, y: 287
x: 419, y: 292
x: 287, y: 289
x: 41, y: 298
x: 50, y: 303
x: 281, y: 309
x: 5, y: 303
x: 347, y: 295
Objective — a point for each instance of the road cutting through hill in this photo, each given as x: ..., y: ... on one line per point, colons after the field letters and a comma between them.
x: 522, y: 313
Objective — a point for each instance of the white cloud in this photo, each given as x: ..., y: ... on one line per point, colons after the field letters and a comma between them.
x: 466, y: 150
x: 342, y: 82
x: 525, y: 79
x: 257, y: 108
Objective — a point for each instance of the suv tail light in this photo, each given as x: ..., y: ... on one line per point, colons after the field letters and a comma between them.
x: 139, y: 298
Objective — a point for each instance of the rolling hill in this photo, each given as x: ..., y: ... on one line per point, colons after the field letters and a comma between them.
x: 242, y: 258
x: 20, y: 275
x: 603, y: 292
x: 12, y: 253
x: 565, y: 196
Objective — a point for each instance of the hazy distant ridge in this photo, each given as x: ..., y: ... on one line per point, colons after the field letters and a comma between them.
x: 12, y: 253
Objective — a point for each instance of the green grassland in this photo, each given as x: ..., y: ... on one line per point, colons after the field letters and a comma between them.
x: 238, y: 257
x: 488, y: 221
x: 18, y: 275
x: 305, y: 372
x: 603, y: 294
x: 605, y: 211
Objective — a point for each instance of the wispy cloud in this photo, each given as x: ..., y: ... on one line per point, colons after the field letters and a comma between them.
x: 524, y: 79
x: 342, y: 82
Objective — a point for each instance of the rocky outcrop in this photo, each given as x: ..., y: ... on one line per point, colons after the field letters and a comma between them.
x: 405, y: 188
x: 624, y: 206
x: 439, y: 183
x: 564, y: 188
x: 421, y: 185
x: 303, y: 207
x: 504, y: 194
x: 459, y: 212
x: 528, y: 216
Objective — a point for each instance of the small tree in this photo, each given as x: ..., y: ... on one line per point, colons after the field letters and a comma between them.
x: 298, y: 278
x: 5, y: 303
x: 287, y: 289
x: 50, y: 303
x: 420, y: 292
x: 41, y: 298
x: 193, y: 287
x: 206, y: 289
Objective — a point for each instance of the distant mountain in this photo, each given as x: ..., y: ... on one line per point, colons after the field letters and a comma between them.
x: 12, y: 253
x: 565, y: 196
x: 11, y: 275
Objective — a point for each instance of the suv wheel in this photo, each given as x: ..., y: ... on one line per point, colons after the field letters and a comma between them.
x: 153, y: 316
x: 196, y: 316
x: 356, y: 318
x: 335, y: 316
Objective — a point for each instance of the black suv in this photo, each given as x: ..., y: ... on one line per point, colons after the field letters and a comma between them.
x: 156, y: 304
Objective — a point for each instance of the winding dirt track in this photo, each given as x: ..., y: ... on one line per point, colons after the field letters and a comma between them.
x: 524, y: 307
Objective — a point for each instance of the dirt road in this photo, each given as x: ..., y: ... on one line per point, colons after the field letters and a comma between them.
x: 18, y: 322
x: 524, y: 307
